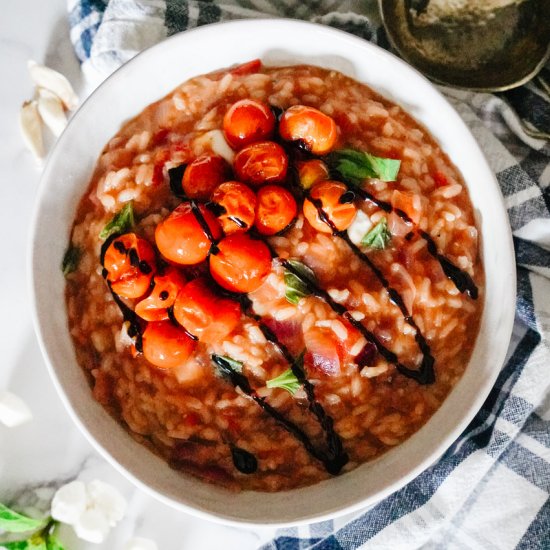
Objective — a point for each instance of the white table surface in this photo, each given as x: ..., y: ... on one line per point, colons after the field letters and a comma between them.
x: 37, y: 457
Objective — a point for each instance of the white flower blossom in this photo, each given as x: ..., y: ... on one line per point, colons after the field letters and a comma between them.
x: 13, y: 410
x: 69, y: 502
x: 92, y: 509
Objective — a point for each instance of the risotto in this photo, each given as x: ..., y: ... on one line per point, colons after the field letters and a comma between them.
x: 273, y: 276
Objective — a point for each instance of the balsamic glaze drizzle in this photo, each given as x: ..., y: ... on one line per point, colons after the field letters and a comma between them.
x: 175, y: 176
x: 244, y: 460
x: 332, y: 463
x: 425, y: 373
x: 135, y: 329
x: 462, y: 280
x: 204, y: 226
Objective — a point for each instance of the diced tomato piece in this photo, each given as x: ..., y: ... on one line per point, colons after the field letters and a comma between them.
x: 324, y: 352
x: 409, y: 203
x: 440, y: 179
x: 250, y: 67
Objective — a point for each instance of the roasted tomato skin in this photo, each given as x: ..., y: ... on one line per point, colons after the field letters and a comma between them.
x: 204, y: 313
x: 180, y: 237
x: 242, y: 263
x: 163, y: 295
x: 261, y: 162
x: 165, y: 345
x: 130, y: 265
x: 203, y: 175
x: 340, y: 214
x: 247, y: 121
x: 238, y: 203
x: 311, y: 172
x: 275, y: 210
x: 318, y: 131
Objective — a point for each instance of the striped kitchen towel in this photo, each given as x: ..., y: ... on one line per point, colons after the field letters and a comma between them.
x: 491, y: 489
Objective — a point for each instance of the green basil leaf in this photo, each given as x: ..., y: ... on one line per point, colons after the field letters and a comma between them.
x: 378, y: 237
x: 357, y: 166
x: 286, y: 381
x: 296, y: 286
x: 71, y: 259
x: 36, y: 542
x: 53, y: 543
x: 13, y: 522
x: 225, y: 360
x: 121, y: 222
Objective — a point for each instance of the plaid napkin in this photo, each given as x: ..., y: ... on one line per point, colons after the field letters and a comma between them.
x: 491, y: 488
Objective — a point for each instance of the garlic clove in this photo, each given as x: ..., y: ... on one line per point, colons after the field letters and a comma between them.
x: 140, y: 543
x: 55, y: 82
x: 13, y: 410
x: 108, y: 499
x: 50, y: 108
x: 69, y: 502
x: 31, y: 128
x: 92, y: 525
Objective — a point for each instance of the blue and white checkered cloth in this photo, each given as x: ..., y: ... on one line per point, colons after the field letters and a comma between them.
x: 491, y: 489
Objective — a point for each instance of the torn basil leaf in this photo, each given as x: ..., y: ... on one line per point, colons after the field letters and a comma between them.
x: 356, y: 166
x: 13, y: 522
x: 71, y: 259
x: 296, y: 286
x: 378, y: 237
x: 121, y: 222
x: 227, y: 362
x: 286, y: 381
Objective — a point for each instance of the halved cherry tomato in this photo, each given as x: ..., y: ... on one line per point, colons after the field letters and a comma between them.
x: 317, y: 130
x: 166, y: 288
x: 324, y: 352
x: 247, y: 121
x: 311, y: 172
x: 340, y: 214
x: 262, y: 162
x: 241, y: 264
x: 203, y: 175
x: 205, y: 314
x: 180, y: 237
x: 276, y: 209
x: 165, y: 345
x: 238, y: 202
x: 130, y: 264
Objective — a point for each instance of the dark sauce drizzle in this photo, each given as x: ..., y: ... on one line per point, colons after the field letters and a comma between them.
x: 243, y: 460
x: 425, y: 374
x: 135, y: 328
x: 332, y: 463
x: 462, y: 280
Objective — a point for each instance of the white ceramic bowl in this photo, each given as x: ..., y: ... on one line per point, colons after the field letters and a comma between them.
x: 147, y: 78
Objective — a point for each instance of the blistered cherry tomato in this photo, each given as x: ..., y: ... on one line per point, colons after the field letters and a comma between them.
x: 163, y: 295
x: 165, y: 345
x: 241, y: 264
x: 275, y: 210
x: 180, y: 237
x: 317, y: 130
x: 130, y: 264
x: 247, y: 121
x: 238, y: 203
x: 203, y: 175
x: 205, y: 314
x: 311, y: 172
x: 341, y: 214
x: 262, y: 162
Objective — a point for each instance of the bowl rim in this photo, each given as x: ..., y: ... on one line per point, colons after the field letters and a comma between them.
x: 362, y: 504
